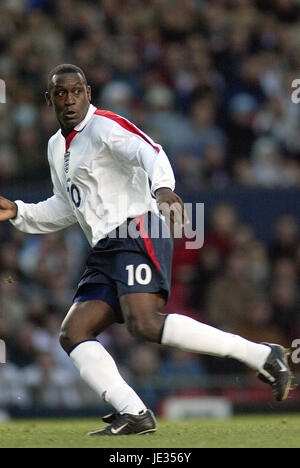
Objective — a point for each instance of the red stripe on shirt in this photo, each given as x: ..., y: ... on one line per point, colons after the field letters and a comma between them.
x: 125, y: 124
x: 69, y: 139
x: 147, y: 241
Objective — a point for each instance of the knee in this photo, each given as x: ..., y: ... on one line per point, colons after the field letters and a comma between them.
x: 71, y: 333
x: 66, y: 338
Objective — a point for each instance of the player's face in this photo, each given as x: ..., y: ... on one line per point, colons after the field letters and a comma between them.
x: 70, y: 97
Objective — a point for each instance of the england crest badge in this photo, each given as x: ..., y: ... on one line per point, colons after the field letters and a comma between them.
x: 67, y: 161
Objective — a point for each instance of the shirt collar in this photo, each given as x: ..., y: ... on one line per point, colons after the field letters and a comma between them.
x: 87, y: 118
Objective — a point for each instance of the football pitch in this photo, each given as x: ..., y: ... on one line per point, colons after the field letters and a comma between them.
x: 255, y: 431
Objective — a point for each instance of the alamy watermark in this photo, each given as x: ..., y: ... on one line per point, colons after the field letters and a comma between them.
x: 2, y: 352
x: 2, y: 92
x: 177, y: 221
x: 295, y: 355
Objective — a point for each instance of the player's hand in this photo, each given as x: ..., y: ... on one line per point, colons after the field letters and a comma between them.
x: 8, y: 209
x: 171, y: 206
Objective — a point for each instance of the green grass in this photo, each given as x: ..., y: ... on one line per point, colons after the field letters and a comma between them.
x: 282, y: 431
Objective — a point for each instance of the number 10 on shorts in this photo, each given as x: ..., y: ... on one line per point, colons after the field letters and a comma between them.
x: 142, y: 274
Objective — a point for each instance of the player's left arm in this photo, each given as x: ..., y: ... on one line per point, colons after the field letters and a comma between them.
x: 171, y: 205
x: 142, y: 151
x: 160, y: 172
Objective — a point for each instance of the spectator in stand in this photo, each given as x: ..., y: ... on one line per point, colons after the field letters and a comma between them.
x: 223, y: 225
x: 50, y: 384
x: 230, y: 296
x: 285, y: 296
x: 286, y: 238
x: 208, y: 268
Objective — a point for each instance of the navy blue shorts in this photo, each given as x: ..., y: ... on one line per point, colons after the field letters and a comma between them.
x: 136, y: 258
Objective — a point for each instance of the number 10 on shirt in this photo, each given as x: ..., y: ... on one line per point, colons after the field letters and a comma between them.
x: 142, y: 274
x: 74, y: 191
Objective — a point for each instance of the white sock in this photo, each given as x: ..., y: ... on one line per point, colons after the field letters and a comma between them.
x: 188, y: 334
x: 98, y: 369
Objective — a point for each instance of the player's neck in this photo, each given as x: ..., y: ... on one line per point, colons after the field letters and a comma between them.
x: 66, y: 131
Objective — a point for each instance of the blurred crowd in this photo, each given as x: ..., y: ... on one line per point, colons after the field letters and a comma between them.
x: 212, y: 82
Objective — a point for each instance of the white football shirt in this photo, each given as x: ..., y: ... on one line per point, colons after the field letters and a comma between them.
x: 100, y: 176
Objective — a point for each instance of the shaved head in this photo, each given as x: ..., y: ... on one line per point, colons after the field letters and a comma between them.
x: 63, y: 69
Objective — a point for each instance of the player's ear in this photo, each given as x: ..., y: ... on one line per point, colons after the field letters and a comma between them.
x: 48, y: 99
x: 89, y: 93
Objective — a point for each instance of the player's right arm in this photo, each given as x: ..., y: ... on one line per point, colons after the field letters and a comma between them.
x: 41, y: 218
x: 8, y: 209
x: 50, y: 215
x: 53, y: 214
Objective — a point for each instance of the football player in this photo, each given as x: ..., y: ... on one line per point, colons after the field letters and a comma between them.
x: 114, y: 180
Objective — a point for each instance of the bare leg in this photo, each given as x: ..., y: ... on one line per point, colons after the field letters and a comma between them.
x: 144, y: 318
x: 84, y: 322
x: 143, y: 315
